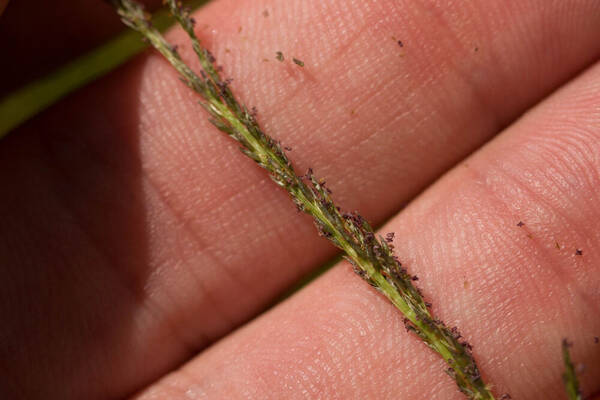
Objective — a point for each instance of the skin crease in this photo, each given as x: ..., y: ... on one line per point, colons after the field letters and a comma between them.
x: 134, y: 234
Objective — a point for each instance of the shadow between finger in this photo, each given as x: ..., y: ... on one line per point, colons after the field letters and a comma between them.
x: 74, y: 249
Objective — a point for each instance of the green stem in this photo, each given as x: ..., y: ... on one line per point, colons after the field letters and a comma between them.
x: 569, y: 376
x: 28, y: 101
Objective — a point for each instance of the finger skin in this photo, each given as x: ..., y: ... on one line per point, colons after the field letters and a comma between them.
x: 514, y: 294
x: 135, y: 234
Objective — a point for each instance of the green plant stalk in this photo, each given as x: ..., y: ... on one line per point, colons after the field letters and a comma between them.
x: 371, y: 257
x: 569, y: 376
x: 26, y: 102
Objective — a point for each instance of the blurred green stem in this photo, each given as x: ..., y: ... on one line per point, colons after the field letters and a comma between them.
x: 28, y: 101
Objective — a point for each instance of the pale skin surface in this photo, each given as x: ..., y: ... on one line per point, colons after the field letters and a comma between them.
x: 134, y: 235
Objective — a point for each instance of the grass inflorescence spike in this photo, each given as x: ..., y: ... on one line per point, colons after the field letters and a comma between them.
x: 372, y: 256
x: 569, y: 376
